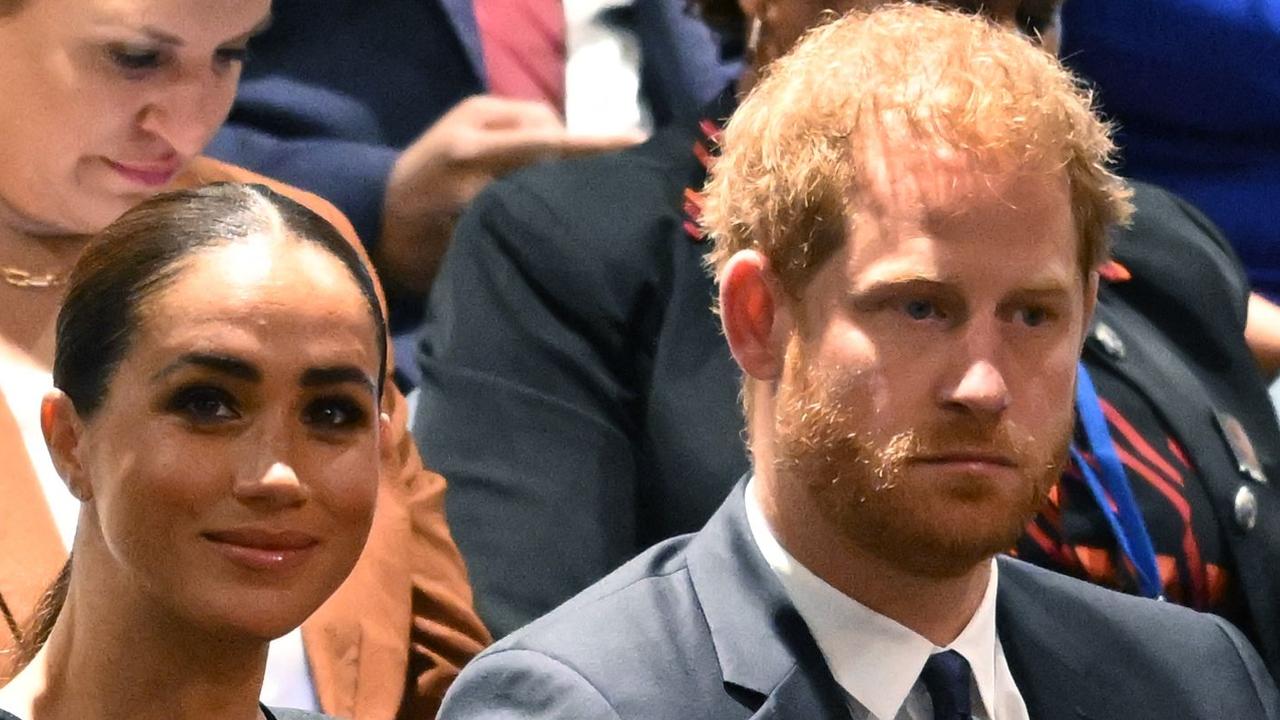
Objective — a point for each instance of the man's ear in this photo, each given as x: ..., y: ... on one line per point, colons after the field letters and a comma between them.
x: 64, y: 435
x: 757, y: 320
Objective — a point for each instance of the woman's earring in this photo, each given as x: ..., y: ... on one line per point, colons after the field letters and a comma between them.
x: 753, y: 37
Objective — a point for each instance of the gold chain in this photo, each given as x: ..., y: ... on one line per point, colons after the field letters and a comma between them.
x: 17, y: 277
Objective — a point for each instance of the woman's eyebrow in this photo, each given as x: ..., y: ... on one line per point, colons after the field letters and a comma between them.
x: 337, y: 375
x: 223, y: 364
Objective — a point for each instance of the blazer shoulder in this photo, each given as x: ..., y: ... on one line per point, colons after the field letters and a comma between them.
x: 1164, y: 626
x: 525, y: 684
x: 636, y: 637
x: 609, y: 201
x: 1172, y: 244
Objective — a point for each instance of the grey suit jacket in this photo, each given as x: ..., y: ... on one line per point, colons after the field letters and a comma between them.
x: 699, y: 627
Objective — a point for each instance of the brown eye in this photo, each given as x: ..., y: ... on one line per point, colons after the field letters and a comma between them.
x: 335, y: 413
x: 204, y: 405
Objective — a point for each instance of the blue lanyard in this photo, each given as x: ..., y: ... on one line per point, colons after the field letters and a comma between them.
x: 1126, y: 521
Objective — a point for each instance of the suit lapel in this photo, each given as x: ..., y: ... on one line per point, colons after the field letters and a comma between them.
x: 1055, y: 670
x: 463, y: 18
x: 768, y: 659
x: 31, y: 553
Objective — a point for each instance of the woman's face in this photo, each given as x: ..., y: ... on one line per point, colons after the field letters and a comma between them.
x: 102, y: 102
x: 229, y: 475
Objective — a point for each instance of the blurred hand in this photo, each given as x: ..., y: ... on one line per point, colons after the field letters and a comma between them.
x: 480, y: 139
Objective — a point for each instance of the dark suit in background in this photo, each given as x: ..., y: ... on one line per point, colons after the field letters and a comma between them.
x: 699, y: 627
x: 335, y: 89
x: 576, y: 385
x: 581, y: 397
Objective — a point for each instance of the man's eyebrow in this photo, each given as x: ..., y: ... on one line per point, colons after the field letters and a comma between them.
x: 337, y: 375
x: 880, y: 286
x: 222, y: 364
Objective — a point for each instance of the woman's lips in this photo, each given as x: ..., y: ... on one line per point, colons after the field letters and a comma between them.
x: 150, y: 174
x: 262, y: 549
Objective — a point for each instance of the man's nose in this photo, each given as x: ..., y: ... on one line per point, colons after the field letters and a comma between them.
x: 979, y: 386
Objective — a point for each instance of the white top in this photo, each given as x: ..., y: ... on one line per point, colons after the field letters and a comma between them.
x: 878, y: 661
x: 23, y: 386
x: 288, y: 679
x: 602, y: 72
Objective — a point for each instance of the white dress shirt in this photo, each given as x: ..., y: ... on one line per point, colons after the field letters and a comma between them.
x: 602, y: 72
x: 878, y: 661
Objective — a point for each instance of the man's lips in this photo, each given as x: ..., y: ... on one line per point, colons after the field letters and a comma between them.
x: 263, y: 548
x: 975, y: 458
x: 150, y: 174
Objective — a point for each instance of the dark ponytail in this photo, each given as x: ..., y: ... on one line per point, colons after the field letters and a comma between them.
x: 28, y: 639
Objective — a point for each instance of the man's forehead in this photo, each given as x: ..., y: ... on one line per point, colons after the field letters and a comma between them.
x: 902, y: 214
x: 934, y: 181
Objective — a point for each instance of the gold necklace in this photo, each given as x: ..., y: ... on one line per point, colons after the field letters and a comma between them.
x: 17, y: 277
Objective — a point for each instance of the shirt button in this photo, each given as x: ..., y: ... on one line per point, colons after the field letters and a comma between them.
x: 1246, y: 508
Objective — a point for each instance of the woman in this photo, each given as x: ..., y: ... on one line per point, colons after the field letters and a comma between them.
x: 219, y: 361
x: 118, y: 99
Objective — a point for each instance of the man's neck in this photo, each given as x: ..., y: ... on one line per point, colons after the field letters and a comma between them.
x: 937, y: 608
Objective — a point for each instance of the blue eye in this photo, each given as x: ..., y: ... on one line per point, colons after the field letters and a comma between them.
x: 1033, y: 316
x: 920, y: 309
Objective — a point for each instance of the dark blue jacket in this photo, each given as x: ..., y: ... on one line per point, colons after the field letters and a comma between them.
x: 1195, y: 87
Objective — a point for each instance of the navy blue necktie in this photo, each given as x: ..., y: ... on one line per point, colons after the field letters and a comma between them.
x: 946, y: 677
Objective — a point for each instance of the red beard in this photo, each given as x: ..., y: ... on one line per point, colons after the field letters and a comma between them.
x: 874, y: 489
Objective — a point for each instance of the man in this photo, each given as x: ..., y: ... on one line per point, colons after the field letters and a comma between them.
x: 909, y: 218
x: 571, y: 327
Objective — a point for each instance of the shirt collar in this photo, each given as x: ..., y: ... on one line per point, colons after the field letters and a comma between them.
x: 875, y: 659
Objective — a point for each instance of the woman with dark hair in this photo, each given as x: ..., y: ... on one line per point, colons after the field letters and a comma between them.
x: 118, y: 99
x: 219, y: 362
